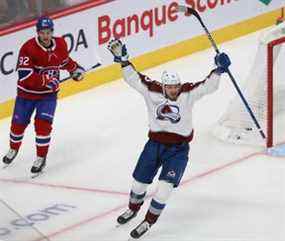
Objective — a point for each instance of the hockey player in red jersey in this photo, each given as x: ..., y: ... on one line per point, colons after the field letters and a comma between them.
x: 39, y: 63
x: 169, y: 105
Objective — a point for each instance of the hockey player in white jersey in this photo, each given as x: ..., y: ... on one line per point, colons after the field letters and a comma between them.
x: 169, y: 105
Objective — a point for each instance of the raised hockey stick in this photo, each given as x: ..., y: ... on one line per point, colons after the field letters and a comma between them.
x: 192, y: 11
x: 87, y: 70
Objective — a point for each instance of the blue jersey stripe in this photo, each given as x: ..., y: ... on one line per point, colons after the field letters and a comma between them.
x: 24, y: 73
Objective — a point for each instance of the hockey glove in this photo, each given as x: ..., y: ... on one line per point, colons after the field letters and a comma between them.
x: 119, y: 50
x: 223, y: 62
x: 50, y: 82
x: 78, y: 74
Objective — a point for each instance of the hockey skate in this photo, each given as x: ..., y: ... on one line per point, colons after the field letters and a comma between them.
x: 140, y: 230
x: 126, y: 216
x: 9, y: 157
x: 38, y: 166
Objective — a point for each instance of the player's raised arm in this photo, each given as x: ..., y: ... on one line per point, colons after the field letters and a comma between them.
x: 135, y: 79
x: 212, y: 81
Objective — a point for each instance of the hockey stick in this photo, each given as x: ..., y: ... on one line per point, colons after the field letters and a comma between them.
x: 192, y: 11
x: 87, y: 70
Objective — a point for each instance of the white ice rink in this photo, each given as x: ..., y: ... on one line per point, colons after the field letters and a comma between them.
x: 228, y: 193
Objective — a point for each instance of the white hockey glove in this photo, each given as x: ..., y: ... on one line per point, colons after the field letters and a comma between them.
x: 78, y: 74
x: 119, y: 50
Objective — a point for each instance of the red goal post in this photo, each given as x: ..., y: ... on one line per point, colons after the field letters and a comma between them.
x: 264, y: 88
x: 270, y: 90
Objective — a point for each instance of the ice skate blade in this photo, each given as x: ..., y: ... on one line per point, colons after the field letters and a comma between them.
x: 4, y: 166
x: 119, y: 225
x: 140, y: 238
x: 35, y: 175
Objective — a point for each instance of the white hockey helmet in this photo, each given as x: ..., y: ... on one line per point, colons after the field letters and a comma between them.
x: 170, y: 78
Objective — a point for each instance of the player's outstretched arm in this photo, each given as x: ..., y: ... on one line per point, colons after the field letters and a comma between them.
x: 119, y: 51
x: 130, y: 74
x: 212, y: 81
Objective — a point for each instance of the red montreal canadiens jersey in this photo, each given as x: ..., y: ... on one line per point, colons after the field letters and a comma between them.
x: 35, y: 61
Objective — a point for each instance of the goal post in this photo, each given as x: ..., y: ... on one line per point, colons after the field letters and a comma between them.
x: 264, y: 88
x: 270, y: 80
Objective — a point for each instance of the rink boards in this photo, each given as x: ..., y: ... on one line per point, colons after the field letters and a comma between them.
x: 150, y: 46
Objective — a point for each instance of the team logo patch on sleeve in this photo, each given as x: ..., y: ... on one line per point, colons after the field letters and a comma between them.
x: 168, y: 112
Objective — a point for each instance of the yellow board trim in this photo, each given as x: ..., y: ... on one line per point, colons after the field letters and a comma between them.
x: 157, y: 57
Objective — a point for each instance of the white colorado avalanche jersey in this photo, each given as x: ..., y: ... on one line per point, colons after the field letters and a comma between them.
x: 170, y: 121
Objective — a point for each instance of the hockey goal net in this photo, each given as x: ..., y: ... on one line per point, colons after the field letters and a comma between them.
x: 264, y: 89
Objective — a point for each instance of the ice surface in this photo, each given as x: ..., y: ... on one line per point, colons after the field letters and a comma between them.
x: 228, y: 193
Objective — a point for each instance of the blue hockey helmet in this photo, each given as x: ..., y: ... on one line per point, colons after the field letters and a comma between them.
x: 44, y: 23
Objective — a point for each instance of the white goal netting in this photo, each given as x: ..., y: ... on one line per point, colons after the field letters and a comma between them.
x: 235, y: 125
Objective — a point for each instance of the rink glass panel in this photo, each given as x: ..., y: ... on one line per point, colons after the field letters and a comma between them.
x: 16, y: 12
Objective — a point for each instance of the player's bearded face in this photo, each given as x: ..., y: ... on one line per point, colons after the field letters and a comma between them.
x: 45, y: 36
x: 172, y: 91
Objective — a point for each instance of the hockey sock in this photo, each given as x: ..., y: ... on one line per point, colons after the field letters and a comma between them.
x: 43, y: 129
x: 137, y: 195
x: 136, y: 201
x: 16, y: 135
x: 158, y: 202
x: 154, y: 211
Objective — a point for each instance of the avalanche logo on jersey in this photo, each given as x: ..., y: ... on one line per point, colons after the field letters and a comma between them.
x: 168, y: 112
